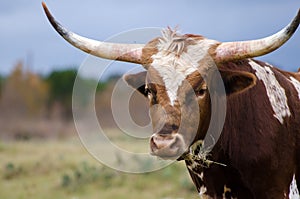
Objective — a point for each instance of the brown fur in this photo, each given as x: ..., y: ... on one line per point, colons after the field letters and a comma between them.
x: 260, y: 153
x: 149, y: 50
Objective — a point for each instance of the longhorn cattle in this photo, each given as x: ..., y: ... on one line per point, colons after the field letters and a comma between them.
x: 235, y: 121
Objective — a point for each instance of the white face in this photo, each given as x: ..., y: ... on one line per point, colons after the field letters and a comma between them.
x: 174, y: 125
x: 178, y: 57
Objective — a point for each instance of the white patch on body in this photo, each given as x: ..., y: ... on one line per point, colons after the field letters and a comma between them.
x: 269, y: 65
x: 173, y: 64
x: 202, y: 190
x: 201, y: 176
x: 294, y: 192
x: 274, y: 90
x: 296, y: 84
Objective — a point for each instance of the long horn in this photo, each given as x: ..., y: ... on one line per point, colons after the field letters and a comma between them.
x: 228, y: 51
x: 114, y: 51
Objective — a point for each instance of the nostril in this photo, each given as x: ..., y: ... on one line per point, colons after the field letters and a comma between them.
x: 158, y: 142
x: 171, y: 146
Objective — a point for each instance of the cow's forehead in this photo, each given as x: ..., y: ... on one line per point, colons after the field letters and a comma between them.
x: 177, y: 57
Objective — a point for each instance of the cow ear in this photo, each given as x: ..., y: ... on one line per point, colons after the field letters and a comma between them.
x: 137, y: 81
x: 236, y: 82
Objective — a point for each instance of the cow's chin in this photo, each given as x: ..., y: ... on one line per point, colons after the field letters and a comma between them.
x: 168, y: 154
x: 169, y: 147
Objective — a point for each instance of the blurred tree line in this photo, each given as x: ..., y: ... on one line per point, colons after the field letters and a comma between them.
x: 35, y: 106
x: 61, y: 89
x: 26, y: 94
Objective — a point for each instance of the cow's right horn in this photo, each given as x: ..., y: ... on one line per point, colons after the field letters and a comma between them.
x: 229, y: 51
x: 113, y: 51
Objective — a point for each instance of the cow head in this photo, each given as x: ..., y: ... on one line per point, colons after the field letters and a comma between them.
x: 181, y: 78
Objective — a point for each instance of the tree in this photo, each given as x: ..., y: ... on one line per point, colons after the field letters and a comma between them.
x: 61, y: 87
x: 23, y: 94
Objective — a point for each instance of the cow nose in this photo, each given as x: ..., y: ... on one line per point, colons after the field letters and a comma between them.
x: 167, y: 146
x: 160, y: 141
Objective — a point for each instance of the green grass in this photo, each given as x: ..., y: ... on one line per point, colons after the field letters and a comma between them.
x: 64, y: 169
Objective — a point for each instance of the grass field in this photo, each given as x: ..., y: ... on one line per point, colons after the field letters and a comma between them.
x: 64, y: 169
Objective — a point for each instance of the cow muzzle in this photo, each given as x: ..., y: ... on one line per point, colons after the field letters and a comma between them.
x: 167, y: 146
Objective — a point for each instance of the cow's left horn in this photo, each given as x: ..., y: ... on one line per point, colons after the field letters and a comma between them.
x: 247, y: 49
x: 113, y: 51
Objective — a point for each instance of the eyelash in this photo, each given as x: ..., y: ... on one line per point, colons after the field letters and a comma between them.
x: 150, y: 95
x: 148, y: 92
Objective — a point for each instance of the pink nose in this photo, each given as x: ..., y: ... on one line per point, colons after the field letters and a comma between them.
x: 167, y: 146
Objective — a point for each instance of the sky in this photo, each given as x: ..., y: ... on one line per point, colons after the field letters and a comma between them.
x: 25, y: 33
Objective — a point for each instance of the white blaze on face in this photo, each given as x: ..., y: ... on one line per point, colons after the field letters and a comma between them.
x: 296, y: 84
x: 294, y: 192
x: 274, y: 90
x: 173, y: 64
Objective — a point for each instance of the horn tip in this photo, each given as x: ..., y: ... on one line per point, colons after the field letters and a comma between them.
x: 47, y: 12
x: 56, y: 25
x: 298, y: 14
x: 294, y: 24
x: 44, y: 5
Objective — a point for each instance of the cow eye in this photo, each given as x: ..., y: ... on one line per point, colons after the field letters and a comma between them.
x: 201, y: 92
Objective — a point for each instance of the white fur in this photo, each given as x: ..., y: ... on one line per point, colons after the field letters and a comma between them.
x: 173, y: 64
x: 269, y: 65
x: 294, y: 192
x: 274, y: 90
x: 202, y: 190
x: 296, y: 84
x: 201, y: 176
